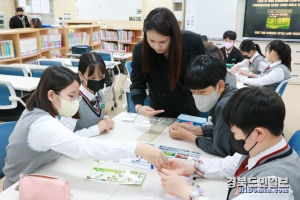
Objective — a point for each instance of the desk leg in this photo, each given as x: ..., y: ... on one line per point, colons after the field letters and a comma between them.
x: 112, y: 88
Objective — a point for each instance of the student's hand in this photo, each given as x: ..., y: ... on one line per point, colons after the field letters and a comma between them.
x: 244, y: 72
x: 181, y: 133
x: 196, y: 130
x: 238, y: 78
x: 153, y: 155
x: 103, y: 126
x: 180, y: 167
x: 147, y: 111
x: 175, y: 184
x: 234, y: 68
x: 110, y: 122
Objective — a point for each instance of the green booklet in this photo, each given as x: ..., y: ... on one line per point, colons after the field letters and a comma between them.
x: 116, y: 176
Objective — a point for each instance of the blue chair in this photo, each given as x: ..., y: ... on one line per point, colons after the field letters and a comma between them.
x: 294, y: 142
x: 13, y: 70
x: 281, y: 87
x: 5, y: 130
x: 50, y: 62
x: 36, y: 71
x: 11, y: 106
x: 75, y: 63
x: 130, y: 105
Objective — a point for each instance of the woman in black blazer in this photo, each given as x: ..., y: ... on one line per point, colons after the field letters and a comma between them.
x: 19, y: 20
x: 160, y: 61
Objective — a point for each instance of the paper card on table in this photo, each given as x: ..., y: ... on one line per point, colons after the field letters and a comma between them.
x: 116, y: 176
x: 148, y: 137
x: 182, y: 156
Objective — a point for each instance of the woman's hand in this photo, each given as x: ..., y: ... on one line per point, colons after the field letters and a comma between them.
x: 244, y: 72
x: 153, y: 155
x: 110, y: 122
x: 147, y: 111
x: 175, y: 184
x: 103, y: 126
x: 180, y: 167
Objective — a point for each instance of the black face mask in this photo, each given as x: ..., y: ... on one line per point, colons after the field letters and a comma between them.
x: 238, y: 145
x: 95, y: 85
x: 20, y: 16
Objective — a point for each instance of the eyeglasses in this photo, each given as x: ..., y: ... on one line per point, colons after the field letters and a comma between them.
x: 70, y: 98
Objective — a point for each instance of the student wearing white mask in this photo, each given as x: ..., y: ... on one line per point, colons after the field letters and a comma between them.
x: 205, y: 77
x: 39, y: 137
x: 231, y: 54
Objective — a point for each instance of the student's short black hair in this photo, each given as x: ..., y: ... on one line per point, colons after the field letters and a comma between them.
x: 229, y: 34
x: 19, y: 9
x: 252, y: 107
x: 204, y: 71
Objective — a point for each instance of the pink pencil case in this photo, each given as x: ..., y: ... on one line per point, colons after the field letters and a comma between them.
x: 43, y: 187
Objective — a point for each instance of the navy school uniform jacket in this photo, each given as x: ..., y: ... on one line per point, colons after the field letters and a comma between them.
x: 15, y: 22
x: 234, y: 56
x: 215, y: 139
x: 179, y: 101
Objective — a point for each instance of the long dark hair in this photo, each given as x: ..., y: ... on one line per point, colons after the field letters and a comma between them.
x: 163, y: 21
x: 283, y: 50
x: 53, y: 78
x: 248, y: 45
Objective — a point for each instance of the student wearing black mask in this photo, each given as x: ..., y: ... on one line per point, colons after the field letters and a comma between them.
x: 256, y: 117
x: 19, y: 20
x: 93, y: 120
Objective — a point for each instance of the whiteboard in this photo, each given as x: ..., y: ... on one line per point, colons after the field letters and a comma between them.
x: 107, y: 9
x: 214, y: 17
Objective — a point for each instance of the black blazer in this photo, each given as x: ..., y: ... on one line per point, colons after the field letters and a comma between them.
x: 179, y: 101
x: 234, y: 57
x: 15, y: 22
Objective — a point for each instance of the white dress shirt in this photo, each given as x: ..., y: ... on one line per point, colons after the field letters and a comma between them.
x: 70, y: 123
x: 220, y: 168
x: 228, y: 52
x: 48, y: 133
x: 245, y: 63
x: 275, y: 76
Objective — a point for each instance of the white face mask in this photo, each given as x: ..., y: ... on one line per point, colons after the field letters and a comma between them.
x: 206, y: 103
x: 228, y: 45
x: 67, y: 109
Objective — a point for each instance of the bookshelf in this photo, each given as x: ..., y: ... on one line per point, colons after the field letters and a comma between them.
x: 120, y: 40
x: 56, y: 37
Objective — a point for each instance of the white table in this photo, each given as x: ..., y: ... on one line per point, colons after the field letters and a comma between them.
x: 118, y: 56
x: 28, y: 66
x: 21, y: 83
x: 76, y: 170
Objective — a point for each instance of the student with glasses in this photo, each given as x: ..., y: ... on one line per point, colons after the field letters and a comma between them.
x: 93, y: 120
x: 39, y: 137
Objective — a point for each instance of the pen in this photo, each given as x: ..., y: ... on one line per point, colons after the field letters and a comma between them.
x: 151, y: 167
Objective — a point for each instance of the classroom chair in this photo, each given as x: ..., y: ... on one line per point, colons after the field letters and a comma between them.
x: 36, y: 71
x: 281, y: 87
x: 13, y: 70
x: 130, y: 105
x: 5, y: 130
x: 74, y: 62
x: 294, y: 142
x: 129, y: 70
x: 11, y: 106
x: 50, y: 62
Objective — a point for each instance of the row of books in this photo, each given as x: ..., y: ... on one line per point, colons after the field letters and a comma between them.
x: 126, y: 36
x: 7, y: 49
x: 28, y: 46
x: 124, y: 48
x: 75, y: 39
x: 109, y: 35
x: 109, y: 46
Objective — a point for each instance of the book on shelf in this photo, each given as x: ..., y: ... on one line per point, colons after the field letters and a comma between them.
x: 124, y: 48
x: 28, y: 46
x: 109, y: 35
x: 55, y: 40
x: 45, y: 43
x: 109, y: 46
x: 85, y: 38
x: 126, y: 36
x: 32, y: 62
x: 74, y: 39
x: 7, y: 49
x: 96, y: 37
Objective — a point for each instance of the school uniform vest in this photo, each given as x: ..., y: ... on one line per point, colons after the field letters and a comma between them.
x: 20, y: 157
x: 286, y: 72
x: 282, y: 164
x: 254, y: 65
x: 89, y: 116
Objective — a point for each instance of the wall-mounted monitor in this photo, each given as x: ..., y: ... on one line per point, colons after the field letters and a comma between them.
x: 272, y: 19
